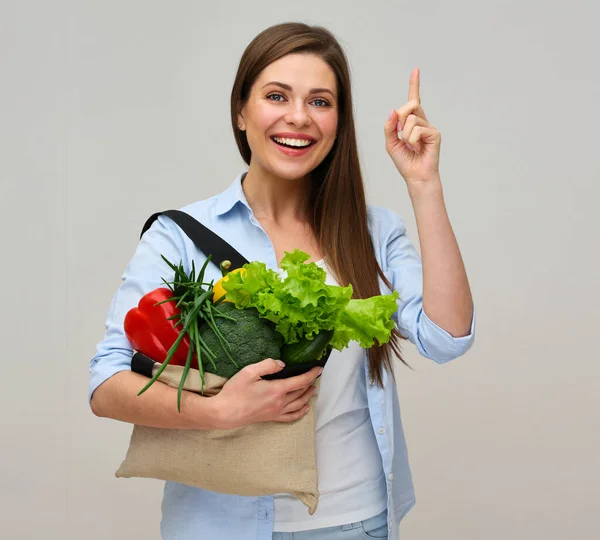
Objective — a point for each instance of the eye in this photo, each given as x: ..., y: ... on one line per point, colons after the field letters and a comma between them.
x: 274, y: 95
x: 324, y: 101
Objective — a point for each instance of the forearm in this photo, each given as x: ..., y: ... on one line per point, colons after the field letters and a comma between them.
x: 447, y: 299
x: 157, y: 407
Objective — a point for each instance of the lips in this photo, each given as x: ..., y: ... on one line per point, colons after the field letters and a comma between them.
x: 312, y: 141
x: 291, y: 135
x: 293, y: 151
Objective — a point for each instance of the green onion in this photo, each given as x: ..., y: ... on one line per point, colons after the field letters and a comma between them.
x: 193, y: 298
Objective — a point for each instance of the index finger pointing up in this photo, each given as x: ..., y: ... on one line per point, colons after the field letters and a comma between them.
x: 413, y: 89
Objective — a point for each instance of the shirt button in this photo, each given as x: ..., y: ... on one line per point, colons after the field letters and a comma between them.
x: 381, y: 431
x: 390, y: 525
x: 390, y: 476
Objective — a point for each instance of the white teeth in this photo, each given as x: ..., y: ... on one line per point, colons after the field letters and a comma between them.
x: 292, y: 142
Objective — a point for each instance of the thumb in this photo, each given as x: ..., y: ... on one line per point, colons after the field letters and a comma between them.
x: 391, y: 128
x: 267, y: 366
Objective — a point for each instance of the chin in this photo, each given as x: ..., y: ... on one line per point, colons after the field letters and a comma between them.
x: 291, y: 172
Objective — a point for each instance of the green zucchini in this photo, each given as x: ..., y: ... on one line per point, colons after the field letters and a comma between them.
x: 306, y: 350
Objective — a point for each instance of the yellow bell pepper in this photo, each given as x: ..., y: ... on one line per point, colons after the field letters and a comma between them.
x: 218, y: 289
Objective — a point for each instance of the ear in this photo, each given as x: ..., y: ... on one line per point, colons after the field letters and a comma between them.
x: 240, y: 122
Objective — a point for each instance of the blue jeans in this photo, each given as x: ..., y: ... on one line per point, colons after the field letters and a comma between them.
x: 375, y: 527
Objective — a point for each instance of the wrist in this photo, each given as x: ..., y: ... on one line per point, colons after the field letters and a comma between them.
x: 222, y: 415
x: 425, y: 188
x: 204, y: 413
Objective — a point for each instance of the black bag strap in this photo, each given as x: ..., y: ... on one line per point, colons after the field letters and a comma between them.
x: 205, y: 240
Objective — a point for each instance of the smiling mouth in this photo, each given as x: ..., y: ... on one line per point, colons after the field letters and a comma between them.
x: 292, y: 146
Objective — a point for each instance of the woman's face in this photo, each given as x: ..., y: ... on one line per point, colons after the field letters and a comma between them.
x: 294, y: 100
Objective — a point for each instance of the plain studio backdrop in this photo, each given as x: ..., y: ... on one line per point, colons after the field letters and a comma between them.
x: 111, y: 111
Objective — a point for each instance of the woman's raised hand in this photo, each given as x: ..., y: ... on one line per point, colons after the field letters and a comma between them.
x: 417, y: 154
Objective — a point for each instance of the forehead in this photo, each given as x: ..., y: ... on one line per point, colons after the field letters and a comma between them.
x: 301, y: 71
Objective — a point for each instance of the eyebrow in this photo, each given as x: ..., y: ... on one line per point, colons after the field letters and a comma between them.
x: 289, y: 88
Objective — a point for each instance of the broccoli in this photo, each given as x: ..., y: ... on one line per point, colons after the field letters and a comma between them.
x: 250, y: 337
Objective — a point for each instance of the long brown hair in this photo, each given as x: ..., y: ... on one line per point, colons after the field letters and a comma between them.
x: 337, y: 195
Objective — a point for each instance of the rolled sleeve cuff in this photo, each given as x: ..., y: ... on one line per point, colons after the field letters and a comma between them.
x: 440, y: 346
x: 102, y: 371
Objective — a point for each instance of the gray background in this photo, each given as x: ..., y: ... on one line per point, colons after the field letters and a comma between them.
x: 111, y: 111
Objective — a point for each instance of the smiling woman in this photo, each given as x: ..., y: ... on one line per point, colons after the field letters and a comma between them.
x: 292, y: 118
x: 267, y: 115
x: 284, y: 95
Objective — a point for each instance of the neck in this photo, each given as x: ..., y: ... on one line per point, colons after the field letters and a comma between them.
x: 276, y: 199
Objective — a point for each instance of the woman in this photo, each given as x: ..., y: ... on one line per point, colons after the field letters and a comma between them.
x: 291, y: 110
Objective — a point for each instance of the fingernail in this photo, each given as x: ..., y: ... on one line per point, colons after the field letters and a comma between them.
x: 391, y: 114
x: 399, y: 126
x: 320, y: 371
x: 280, y: 363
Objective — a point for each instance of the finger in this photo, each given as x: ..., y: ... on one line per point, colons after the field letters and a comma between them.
x: 412, y: 107
x: 413, y: 85
x: 390, y: 130
x: 301, y: 381
x: 264, y: 367
x: 291, y: 417
x: 292, y: 396
x: 411, y: 122
x: 421, y: 134
x: 299, y: 402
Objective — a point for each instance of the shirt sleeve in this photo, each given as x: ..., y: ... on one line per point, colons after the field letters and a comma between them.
x: 142, y: 275
x: 405, y: 271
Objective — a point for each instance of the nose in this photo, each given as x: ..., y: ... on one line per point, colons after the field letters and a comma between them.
x: 298, y: 115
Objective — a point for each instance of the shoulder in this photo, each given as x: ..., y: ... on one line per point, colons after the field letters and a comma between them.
x: 210, y: 210
x: 384, y: 222
x: 202, y: 209
x: 386, y: 229
x: 164, y: 231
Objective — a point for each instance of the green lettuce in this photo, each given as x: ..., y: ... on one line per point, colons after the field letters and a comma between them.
x: 301, y: 304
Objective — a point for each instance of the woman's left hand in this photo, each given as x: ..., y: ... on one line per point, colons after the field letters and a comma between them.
x: 417, y: 154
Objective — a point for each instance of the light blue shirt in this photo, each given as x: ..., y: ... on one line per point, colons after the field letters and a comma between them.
x: 190, y: 513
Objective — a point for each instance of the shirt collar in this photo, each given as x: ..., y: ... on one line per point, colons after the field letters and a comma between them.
x: 231, y: 196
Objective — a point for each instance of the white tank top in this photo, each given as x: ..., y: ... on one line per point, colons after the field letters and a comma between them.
x: 351, y: 481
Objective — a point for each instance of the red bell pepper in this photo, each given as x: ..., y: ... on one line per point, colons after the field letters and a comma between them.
x: 150, y: 332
